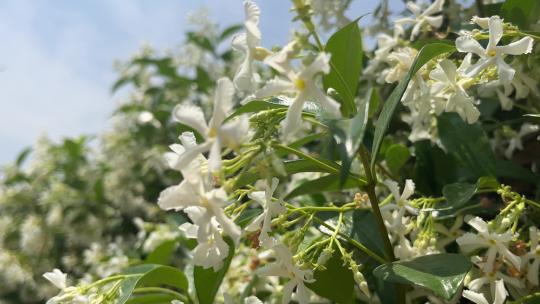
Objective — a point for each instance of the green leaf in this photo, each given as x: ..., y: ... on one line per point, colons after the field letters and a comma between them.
x: 22, y: 156
x: 207, y: 281
x: 326, y: 183
x: 363, y: 224
x: 229, y: 31
x: 522, y: 13
x: 345, y: 48
x: 201, y: 41
x: 441, y: 273
x: 150, y: 275
x: 396, y: 156
x: 336, y: 282
x: 162, y: 254
x: 425, y: 54
x: 255, y: 106
x: 534, y: 118
x: 458, y: 194
x: 468, y: 143
x: 152, y: 298
x: 349, y: 135
x: 247, y: 216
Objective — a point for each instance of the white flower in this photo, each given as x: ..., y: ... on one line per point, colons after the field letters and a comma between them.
x: 211, y: 248
x: 478, y: 298
x: 175, y: 159
x: 450, y: 83
x: 515, y: 141
x: 57, y: 278
x: 271, y: 209
x: 217, y: 132
x: 450, y: 234
x: 252, y: 300
x: 401, y: 61
x: 493, y: 54
x: 423, y: 18
x: 249, y: 44
x: 285, y: 267
x: 197, y: 193
x: 302, y: 84
x: 534, y: 255
x: 496, y: 244
x: 401, y: 199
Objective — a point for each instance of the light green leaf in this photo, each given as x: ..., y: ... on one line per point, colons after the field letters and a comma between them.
x: 441, y: 273
x: 425, y: 54
x: 150, y: 275
x: 162, y: 254
x: 325, y: 183
x: 396, y: 156
x: 207, y: 281
x: 345, y: 48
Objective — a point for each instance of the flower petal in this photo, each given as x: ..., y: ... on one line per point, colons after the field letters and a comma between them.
x: 252, y: 24
x: 475, y: 297
x: 467, y: 44
x: 293, y: 119
x: 320, y: 64
x: 522, y: 46
x: 505, y: 71
x: 495, y: 32
x: 274, y: 87
x: 434, y: 8
x: 191, y: 116
x: 222, y: 102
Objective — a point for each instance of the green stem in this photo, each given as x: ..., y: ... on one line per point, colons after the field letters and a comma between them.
x: 527, y: 298
x: 374, y: 201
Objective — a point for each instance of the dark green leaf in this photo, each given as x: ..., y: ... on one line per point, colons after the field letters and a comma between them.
x: 522, y: 13
x: 207, y: 281
x: 247, y: 216
x: 468, y: 143
x: 345, y: 48
x: 458, y: 194
x: 363, y: 231
x: 150, y: 275
x: 152, y: 298
x: 336, y: 282
x: 441, y: 273
x: 326, y: 183
x: 396, y: 156
x: 427, y: 53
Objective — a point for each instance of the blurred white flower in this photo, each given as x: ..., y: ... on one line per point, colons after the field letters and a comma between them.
x: 57, y: 278
x: 421, y: 19
x: 534, y: 255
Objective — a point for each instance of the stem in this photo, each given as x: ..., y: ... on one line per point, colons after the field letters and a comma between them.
x: 374, y: 201
x: 399, y: 289
x: 526, y: 299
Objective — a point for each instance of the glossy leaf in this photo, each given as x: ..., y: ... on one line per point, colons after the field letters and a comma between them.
x: 458, y: 194
x: 150, y: 275
x: 349, y: 135
x: 425, y: 54
x: 443, y: 274
x: 207, y: 281
x: 345, y: 48
x: 255, y: 106
x: 396, y: 156
x: 336, y: 282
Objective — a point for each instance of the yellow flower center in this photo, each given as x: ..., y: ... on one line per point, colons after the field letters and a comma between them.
x: 300, y: 84
x: 260, y: 53
x: 212, y: 132
x: 492, y: 53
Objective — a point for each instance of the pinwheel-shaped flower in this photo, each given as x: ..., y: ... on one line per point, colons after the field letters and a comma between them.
x: 217, y: 132
x: 496, y: 244
x: 285, y: 267
x: 271, y: 209
x: 450, y: 84
x: 424, y: 18
x: 249, y: 44
x: 494, y: 54
x: 302, y: 84
x: 402, y: 200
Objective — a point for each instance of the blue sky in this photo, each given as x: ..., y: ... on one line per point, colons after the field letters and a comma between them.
x: 56, y: 56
